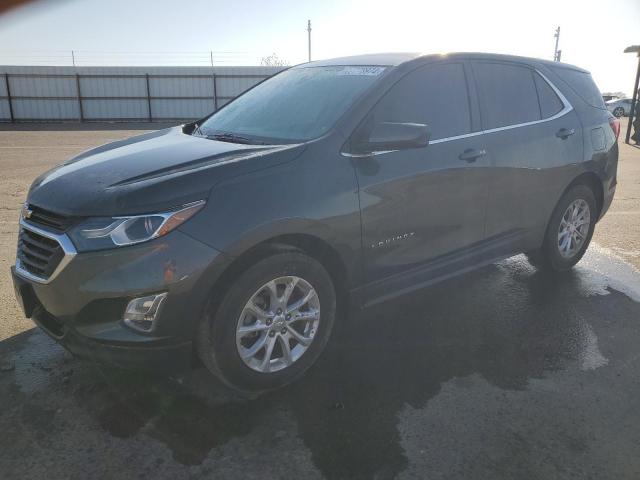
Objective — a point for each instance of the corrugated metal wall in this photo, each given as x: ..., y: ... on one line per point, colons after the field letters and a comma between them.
x: 120, y: 93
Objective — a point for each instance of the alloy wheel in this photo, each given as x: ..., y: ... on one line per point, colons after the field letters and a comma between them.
x: 574, y: 228
x: 278, y: 324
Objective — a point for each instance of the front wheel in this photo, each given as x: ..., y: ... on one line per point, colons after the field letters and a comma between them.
x: 618, y: 112
x: 272, y: 324
x: 569, y: 231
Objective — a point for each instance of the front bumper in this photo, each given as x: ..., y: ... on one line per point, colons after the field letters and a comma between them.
x: 82, y: 307
x: 140, y: 354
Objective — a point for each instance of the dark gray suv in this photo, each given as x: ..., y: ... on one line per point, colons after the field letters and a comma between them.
x: 236, y: 238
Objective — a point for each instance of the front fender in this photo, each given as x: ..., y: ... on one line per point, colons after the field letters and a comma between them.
x: 279, y: 228
x: 314, y: 196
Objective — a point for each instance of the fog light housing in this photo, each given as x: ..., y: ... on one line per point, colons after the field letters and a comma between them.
x: 141, y: 312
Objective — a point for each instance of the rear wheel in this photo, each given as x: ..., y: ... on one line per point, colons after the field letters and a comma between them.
x: 271, y: 325
x: 618, y: 112
x: 569, y: 231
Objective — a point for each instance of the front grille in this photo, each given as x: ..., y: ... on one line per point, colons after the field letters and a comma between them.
x: 49, y: 219
x: 37, y: 254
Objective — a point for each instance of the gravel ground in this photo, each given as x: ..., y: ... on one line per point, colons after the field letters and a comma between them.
x: 502, y: 373
x: 619, y: 230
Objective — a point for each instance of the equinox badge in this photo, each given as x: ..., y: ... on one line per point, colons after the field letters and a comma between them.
x: 390, y: 240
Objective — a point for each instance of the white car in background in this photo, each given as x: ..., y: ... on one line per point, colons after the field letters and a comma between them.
x: 619, y: 107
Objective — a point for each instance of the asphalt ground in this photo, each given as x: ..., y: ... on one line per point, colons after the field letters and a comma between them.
x: 502, y: 373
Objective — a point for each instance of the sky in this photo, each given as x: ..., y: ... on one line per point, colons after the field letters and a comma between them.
x: 593, y: 35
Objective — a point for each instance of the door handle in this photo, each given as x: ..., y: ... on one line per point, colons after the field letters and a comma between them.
x: 472, y: 154
x: 564, y: 133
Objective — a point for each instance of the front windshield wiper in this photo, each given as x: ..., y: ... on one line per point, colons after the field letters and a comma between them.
x: 233, y: 138
x: 197, y: 131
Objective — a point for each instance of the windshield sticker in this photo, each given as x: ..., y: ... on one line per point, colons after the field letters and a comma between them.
x: 361, y: 70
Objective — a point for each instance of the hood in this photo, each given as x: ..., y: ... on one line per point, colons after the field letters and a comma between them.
x: 148, y: 173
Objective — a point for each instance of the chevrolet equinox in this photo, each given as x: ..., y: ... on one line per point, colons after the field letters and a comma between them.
x: 234, y: 238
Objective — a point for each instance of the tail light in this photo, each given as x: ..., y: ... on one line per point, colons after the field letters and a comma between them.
x: 614, y: 123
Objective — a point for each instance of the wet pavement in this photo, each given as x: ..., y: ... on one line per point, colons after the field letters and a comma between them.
x: 503, y: 373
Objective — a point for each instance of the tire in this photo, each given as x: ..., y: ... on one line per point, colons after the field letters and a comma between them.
x: 618, y: 112
x: 219, y: 345
x: 554, y: 255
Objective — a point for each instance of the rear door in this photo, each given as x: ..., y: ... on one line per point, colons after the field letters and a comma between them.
x: 419, y: 204
x: 533, y: 137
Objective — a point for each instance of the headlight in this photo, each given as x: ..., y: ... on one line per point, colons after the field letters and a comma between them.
x: 108, y: 232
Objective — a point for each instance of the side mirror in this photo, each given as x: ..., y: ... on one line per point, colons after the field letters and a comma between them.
x: 395, y: 136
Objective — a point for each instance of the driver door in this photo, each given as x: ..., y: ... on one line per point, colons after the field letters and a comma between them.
x: 422, y: 207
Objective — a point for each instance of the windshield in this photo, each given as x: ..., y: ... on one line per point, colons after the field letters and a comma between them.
x: 295, y: 105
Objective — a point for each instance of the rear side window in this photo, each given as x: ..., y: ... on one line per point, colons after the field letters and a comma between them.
x: 583, y: 85
x: 550, y: 103
x: 435, y: 95
x: 507, y: 93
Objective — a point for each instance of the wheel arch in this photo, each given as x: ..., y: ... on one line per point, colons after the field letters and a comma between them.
x: 589, y: 179
x: 593, y: 181
x: 311, y: 245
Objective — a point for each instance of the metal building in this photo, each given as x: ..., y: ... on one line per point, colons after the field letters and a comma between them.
x: 33, y: 93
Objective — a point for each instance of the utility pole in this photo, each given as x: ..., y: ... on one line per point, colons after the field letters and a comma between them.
x: 634, y: 100
x: 73, y: 58
x: 309, y: 34
x: 557, y: 53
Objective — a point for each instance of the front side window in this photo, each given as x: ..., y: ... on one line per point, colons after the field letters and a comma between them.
x: 435, y: 95
x: 507, y: 94
x: 296, y: 105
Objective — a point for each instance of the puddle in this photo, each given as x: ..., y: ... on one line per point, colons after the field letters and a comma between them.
x: 591, y: 357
